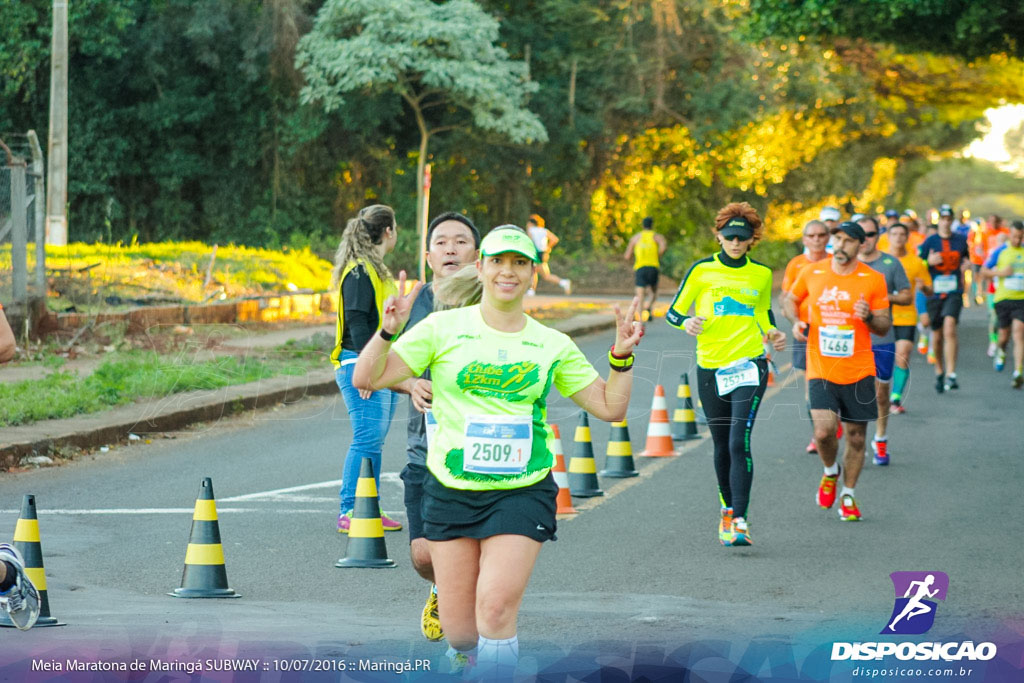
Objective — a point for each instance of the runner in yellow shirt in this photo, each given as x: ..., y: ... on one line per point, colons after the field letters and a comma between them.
x: 646, y: 248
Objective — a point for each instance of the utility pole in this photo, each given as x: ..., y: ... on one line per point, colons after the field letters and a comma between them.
x: 424, y: 222
x: 57, y: 185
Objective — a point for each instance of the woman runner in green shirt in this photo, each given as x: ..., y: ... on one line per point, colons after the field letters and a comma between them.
x: 489, y: 503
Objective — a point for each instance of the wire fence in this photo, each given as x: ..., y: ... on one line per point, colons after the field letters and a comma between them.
x: 22, y: 232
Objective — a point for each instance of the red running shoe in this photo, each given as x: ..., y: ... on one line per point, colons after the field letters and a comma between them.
x: 848, y: 510
x: 826, y: 497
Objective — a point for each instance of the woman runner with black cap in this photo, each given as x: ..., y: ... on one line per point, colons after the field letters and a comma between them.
x: 731, y: 297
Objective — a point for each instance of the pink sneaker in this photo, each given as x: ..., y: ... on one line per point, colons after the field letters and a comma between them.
x: 390, y: 524
x: 344, y: 522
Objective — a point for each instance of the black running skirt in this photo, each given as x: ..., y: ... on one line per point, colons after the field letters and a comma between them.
x: 454, y: 513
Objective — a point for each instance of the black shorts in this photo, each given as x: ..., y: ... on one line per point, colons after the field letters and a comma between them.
x: 1009, y: 310
x: 905, y: 333
x: 949, y: 307
x: 799, y: 355
x: 646, y: 276
x: 852, y: 402
x: 453, y: 513
x: 413, y: 475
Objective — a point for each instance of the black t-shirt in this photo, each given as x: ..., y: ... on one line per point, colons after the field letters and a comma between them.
x: 361, y: 319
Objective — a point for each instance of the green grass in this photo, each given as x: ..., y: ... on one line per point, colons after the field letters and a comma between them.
x: 129, y: 376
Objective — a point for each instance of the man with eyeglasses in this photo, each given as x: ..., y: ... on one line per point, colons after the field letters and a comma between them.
x: 883, y: 346
x: 815, y: 239
x: 947, y: 255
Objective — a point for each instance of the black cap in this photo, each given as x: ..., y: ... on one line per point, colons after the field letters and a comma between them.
x: 946, y: 211
x: 648, y: 223
x: 853, y: 230
x: 737, y: 227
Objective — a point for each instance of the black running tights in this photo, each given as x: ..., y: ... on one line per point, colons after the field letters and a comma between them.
x: 730, y: 421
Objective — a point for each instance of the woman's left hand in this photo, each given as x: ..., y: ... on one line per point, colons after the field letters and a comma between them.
x: 628, y: 330
x: 777, y: 338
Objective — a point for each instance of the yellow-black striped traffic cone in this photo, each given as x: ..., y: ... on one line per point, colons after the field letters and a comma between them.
x: 205, y: 575
x: 26, y: 542
x: 366, y: 547
x: 582, y: 469
x: 702, y: 419
x: 684, y: 420
x: 618, y: 464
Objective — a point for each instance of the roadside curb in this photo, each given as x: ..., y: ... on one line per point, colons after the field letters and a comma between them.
x: 177, y: 411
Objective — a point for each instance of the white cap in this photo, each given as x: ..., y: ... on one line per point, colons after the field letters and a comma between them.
x: 856, y: 217
x: 830, y: 213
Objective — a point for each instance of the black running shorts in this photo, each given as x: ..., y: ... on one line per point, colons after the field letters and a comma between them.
x: 454, y: 513
x: 852, y: 402
x: 939, y: 309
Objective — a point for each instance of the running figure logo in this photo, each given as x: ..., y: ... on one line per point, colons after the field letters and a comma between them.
x: 916, y: 592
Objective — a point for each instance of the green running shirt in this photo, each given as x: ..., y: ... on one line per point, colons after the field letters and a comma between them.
x: 734, y: 300
x: 479, y: 371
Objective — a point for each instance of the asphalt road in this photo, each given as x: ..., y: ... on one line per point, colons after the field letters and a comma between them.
x: 639, y: 574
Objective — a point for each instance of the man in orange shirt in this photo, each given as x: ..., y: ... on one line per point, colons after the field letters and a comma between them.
x: 815, y: 240
x: 847, y: 302
x: 984, y: 240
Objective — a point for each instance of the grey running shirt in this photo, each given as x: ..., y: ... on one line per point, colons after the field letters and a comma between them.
x: 416, y: 449
x: 895, y: 280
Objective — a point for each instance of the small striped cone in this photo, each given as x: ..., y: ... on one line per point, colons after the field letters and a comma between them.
x: 684, y: 420
x: 564, y: 498
x: 582, y: 469
x: 366, y: 547
x: 26, y: 542
x: 771, y: 375
x: 659, y: 437
x: 205, y: 575
x: 618, y: 464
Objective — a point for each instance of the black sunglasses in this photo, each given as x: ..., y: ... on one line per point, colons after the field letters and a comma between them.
x: 871, y: 234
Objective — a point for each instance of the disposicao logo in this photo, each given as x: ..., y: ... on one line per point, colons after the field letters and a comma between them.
x: 913, y: 614
x: 916, y: 592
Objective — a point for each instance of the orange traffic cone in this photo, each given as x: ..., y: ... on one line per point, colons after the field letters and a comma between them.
x: 26, y: 542
x: 366, y: 547
x: 619, y: 462
x: 582, y: 469
x: 564, y: 498
x: 684, y: 421
x: 771, y: 375
x: 659, y: 437
x: 205, y: 575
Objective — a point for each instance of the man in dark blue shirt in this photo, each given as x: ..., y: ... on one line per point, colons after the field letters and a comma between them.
x: 946, y: 254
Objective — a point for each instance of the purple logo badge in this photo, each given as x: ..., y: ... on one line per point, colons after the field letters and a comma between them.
x: 916, y: 593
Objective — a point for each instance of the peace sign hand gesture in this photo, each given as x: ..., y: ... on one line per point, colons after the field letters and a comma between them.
x: 628, y: 330
x: 397, y: 308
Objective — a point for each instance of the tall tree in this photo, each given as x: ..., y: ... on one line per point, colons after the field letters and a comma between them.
x: 442, y: 60
x: 958, y: 27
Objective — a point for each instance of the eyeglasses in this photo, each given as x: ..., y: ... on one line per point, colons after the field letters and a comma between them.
x: 871, y: 234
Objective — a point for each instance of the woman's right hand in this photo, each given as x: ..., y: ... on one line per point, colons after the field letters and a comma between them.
x: 397, y: 308
x: 694, y: 325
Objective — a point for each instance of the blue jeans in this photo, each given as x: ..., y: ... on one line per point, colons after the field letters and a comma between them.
x: 370, y: 418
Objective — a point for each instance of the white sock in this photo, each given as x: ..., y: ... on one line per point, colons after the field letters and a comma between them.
x: 833, y: 470
x: 496, y: 658
x: 847, y: 491
x: 881, y: 438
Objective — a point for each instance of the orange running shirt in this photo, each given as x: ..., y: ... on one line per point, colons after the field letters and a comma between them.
x: 839, y: 343
x: 793, y: 268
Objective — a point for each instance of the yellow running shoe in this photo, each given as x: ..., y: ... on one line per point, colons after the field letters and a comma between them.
x: 725, y: 526
x: 430, y: 623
